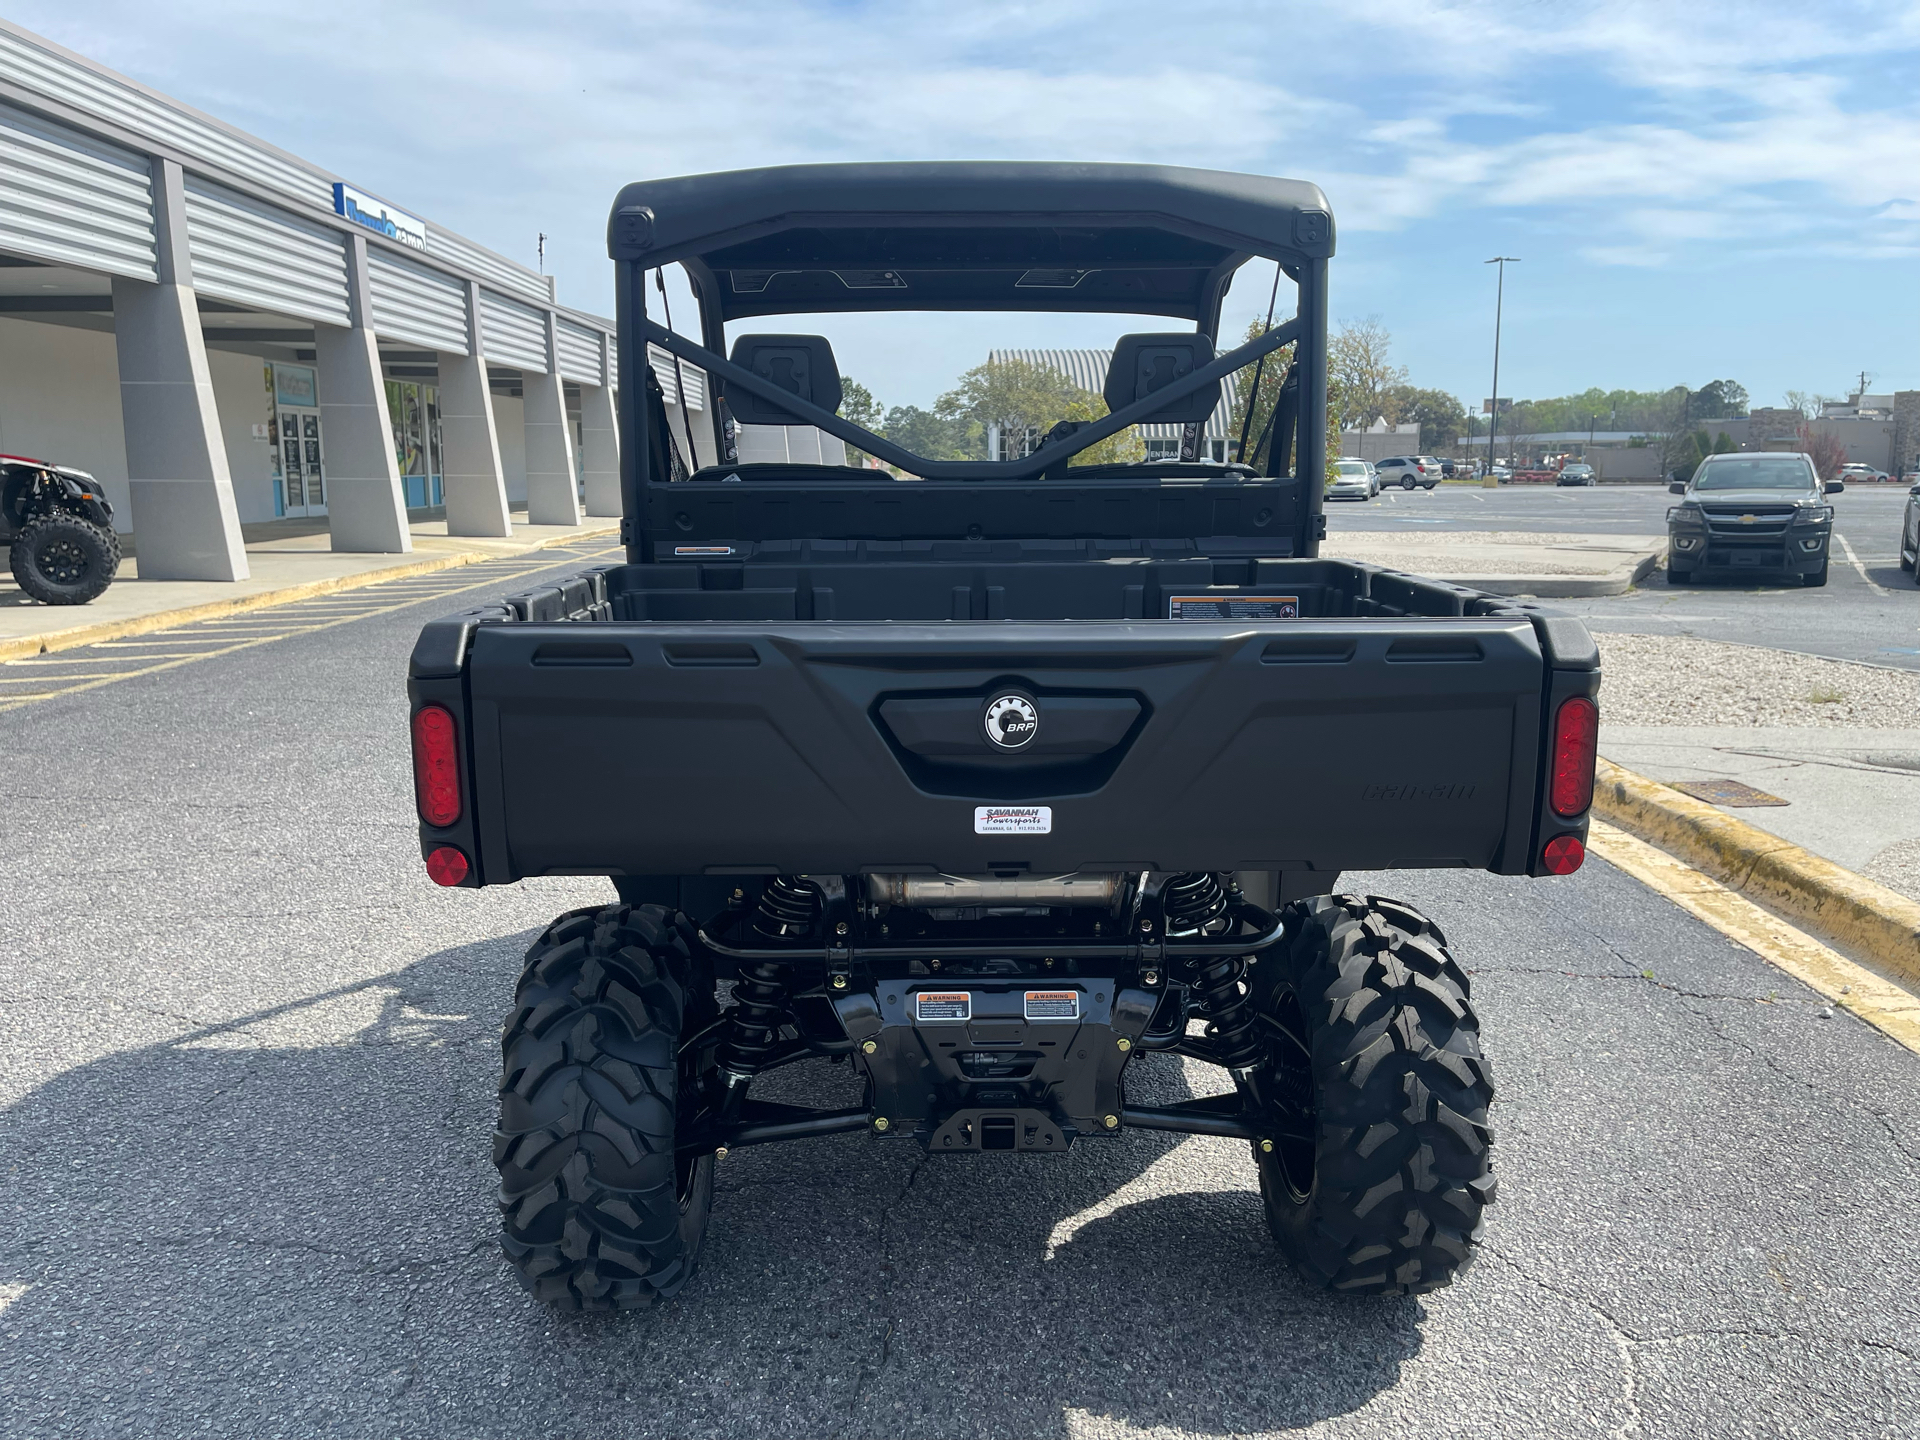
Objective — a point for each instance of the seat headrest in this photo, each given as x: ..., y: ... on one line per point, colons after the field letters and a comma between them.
x: 1143, y: 364
x: 802, y: 364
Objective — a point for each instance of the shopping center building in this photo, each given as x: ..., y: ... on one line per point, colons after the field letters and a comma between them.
x: 224, y: 333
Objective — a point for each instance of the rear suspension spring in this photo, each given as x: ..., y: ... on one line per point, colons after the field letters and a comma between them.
x: 761, y: 991
x: 1195, y: 902
x: 1233, y: 1026
x: 787, y: 909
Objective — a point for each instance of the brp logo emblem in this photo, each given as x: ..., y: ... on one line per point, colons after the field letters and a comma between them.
x: 1011, y: 721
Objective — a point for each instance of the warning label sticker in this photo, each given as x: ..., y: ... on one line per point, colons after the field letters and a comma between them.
x: 1053, y: 1004
x: 1233, y: 607
x: 1013, y: 819
x: 943, y: 1005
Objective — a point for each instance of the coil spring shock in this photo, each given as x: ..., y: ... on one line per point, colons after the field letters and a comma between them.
x: 1196, y: 903
x: 787, y: 909
x: 1232, y: 1027
x: 1193, y: 901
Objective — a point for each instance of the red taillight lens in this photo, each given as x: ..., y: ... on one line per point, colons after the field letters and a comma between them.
x: 447, y: 866
x: 1562, y: 855
x: 436, y: 766
x: 1576, y: 739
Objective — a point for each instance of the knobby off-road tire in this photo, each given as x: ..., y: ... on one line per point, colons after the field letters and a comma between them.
x: 597, y: 1211
x: 1367, y: 1017
x: 64, y: 560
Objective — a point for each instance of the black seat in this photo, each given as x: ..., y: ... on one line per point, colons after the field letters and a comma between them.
x: 801, y: 364
x: 1143, y: 364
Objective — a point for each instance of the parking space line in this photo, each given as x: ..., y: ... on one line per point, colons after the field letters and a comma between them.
x: 1854, y: 559
x: 291, y: 620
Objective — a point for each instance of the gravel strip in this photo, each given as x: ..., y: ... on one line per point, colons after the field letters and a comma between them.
x: 1897, y: 867
x: 1677, y: 680
x: 1488, y: 552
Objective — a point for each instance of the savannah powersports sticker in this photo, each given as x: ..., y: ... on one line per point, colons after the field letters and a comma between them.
x: 1013, y: 819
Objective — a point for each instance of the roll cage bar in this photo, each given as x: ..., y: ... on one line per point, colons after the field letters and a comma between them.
x: 882, y: 216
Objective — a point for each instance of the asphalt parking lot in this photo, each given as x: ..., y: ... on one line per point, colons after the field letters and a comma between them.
x: 1869, y: 610
x: 248, y: 1054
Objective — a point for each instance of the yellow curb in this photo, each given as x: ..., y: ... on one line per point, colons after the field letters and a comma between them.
x: 26, y: 646
x: 1879, y: 1002
x: 1843, y: 907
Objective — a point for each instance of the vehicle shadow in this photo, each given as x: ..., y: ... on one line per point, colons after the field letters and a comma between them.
x: 285, y: 1225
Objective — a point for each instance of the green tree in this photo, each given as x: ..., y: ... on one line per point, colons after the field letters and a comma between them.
x: 1360, y: 376
x: 1718, y: 399
x: 858, y: 405
x: 1441, y: 417
x: 1272, y: 375
x: 934, y: 437
x: 1024, y: 400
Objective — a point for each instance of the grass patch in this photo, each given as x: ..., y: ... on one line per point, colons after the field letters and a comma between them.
x: 1826, y: 695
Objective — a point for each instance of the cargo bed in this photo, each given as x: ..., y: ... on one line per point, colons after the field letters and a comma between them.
x: 700, y: 719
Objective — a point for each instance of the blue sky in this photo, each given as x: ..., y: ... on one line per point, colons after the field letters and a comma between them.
x: 1696, y: 191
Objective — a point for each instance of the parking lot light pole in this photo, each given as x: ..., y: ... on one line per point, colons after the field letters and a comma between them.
x: 1499, y: 298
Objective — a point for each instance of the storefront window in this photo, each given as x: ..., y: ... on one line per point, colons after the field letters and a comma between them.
x: 416, y: 440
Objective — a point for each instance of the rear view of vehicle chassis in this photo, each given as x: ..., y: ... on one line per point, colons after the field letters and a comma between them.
x: 993, y: 1014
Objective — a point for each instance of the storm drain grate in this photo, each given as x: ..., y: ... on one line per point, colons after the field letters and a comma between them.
x: 1725, y: 792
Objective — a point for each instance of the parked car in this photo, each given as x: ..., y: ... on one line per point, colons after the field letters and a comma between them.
x: 1353, y: 480
x: 1910, y: 531
x: 1860, y: 471
x: 1408, y: 471
x: 58, y: 529
x: 1448, y: 469
x: 1497, y: 471
x: 1747, y: 513
x: 1577, y: 474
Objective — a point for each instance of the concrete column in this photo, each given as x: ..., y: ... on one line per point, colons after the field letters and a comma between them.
x: 185, y: 524
x: 600, y: 449
x: 476, y: 489
x: 553, y: 492
x: 366, y: 508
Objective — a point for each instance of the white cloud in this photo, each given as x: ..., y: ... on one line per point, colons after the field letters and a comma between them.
x: 1636, y: 134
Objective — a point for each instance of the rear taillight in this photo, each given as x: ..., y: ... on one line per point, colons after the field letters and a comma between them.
x: 436, y: 765
x: 1576, y: 737
x: 1562, y: 855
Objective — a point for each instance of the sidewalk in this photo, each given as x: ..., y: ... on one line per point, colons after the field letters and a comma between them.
x: 289, y: 560
x: 1509, y: 562
x: 1853, y: 793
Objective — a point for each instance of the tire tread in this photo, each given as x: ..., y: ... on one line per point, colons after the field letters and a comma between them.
x: 1402, y: 1166
x: 590, y: 1210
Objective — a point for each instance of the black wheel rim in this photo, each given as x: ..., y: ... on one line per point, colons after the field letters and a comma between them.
x: 62, y: 562
x: 1289, y: 1075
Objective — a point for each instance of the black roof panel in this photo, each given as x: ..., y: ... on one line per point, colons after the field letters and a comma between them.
x: 969, y: 235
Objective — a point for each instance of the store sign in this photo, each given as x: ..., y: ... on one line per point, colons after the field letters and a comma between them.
x: 363, y: 209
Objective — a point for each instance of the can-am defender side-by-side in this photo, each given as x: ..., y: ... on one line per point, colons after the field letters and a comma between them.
x: 57, y: 526
x: 995, y: 783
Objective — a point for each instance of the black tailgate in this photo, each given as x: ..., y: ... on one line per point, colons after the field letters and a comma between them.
x: 709, y: 748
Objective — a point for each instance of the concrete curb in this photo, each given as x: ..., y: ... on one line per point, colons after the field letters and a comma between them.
x: 26, y: 646
x: 1848, y: 909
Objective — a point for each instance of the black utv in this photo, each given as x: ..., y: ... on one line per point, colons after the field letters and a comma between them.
x: 58, y: 527
x: 995, y: 783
